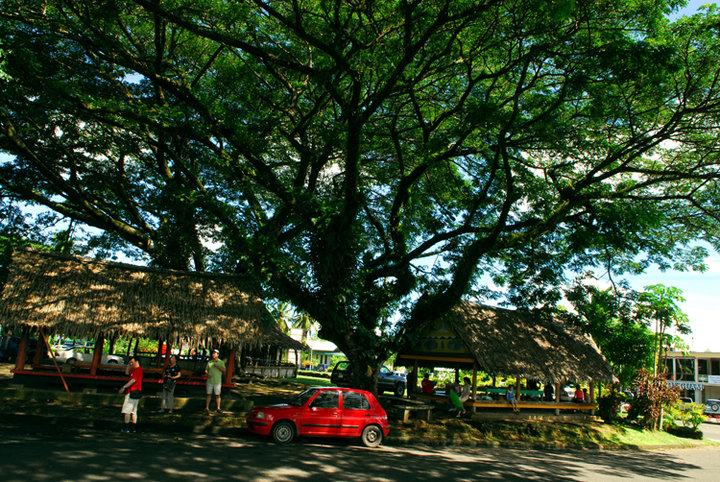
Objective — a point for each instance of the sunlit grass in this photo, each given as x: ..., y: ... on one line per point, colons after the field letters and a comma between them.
x: 310, y: 381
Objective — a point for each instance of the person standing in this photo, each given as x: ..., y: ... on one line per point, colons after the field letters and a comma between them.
x: 510, y: 395
x: 170, y: 377
x: 133, y: 391
x: 214, y: 370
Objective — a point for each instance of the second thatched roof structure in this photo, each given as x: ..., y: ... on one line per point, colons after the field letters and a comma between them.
x: 510, y: 343
x: 80, y: 297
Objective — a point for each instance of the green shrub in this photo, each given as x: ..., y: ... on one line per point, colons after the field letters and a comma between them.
x: 684, y: 415
x: 609, y: 406
x: 685, y: 432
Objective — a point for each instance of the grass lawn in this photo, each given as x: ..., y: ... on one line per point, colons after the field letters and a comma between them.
x: 534, y: 433
x: 309, y: 381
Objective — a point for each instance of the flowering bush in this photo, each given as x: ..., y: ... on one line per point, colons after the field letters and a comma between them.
x: 653, y: 394
x: 681, y: 414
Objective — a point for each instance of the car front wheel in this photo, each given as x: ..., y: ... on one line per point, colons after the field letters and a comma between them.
x: 371, y: 436
x: 283, y: 432
x: 399, y: 389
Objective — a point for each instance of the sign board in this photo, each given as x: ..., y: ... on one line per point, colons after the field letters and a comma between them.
x: 685, y: 385
x: 713, y: 380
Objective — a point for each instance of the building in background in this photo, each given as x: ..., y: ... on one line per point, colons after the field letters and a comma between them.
x: 320, y: 352
x: 696, y: 373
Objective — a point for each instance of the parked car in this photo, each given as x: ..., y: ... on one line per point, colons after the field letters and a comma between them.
x: 712, y: 407
x: 84, y: 354
x: 388, y: 381
x: 324, y: 412
x: 9, y: 347
x: 685, y: 399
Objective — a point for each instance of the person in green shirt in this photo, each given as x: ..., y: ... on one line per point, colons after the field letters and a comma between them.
x: 214, y: 371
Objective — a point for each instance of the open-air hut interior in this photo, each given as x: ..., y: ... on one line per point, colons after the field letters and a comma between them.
x: 48, y: 293
x: 511, y: 343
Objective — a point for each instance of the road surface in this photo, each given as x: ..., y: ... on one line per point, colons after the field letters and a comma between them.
x: 64, y: 453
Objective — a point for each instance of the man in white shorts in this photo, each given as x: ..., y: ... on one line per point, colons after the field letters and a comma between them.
x: 214, y: 370
x: 130, y: 404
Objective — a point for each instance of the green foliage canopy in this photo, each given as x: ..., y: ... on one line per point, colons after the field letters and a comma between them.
x: 362, y: 159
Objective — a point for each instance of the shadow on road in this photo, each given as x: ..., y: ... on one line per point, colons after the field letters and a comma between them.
x: 85, y: 454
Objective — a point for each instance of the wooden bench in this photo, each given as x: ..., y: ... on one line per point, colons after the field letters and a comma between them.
x: 522, y: 404
x: 423, y: 410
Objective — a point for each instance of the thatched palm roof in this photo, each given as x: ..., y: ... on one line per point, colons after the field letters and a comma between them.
x: 275, y: 337
x: 81, y: 297
x: 521, y: 343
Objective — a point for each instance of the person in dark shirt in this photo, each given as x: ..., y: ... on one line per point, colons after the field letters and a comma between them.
x: 170, y: 377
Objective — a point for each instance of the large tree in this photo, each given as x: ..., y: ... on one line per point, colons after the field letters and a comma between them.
x: 368, y: 161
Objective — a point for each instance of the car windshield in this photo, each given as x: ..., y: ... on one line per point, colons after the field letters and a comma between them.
x: 302, y: 398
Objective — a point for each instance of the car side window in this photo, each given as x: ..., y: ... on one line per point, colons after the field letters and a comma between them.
x: 355, y: 401
x: 326, y: 399
x: 384, y: 370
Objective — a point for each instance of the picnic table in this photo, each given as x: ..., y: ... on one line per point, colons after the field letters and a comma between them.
x: 423, y: 410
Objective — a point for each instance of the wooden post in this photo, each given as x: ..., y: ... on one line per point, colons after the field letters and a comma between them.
x: 517, y: 388
x: 39, y: 349
x: 474, y: 386
x: 557, y: 396
x: 229, y: 367
x: 166, y: 358
x: 22, y: 349
x: 52, y: 355
x: 411, y: 389
x: 592, y: 391
x: 97, y: 354
x: 159, y: 354
x: 111, y: 346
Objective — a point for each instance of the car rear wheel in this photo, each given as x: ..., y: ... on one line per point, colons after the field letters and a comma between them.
x: 283, y: 432
x: 113, y: 362
x: 71, y: 361
x: 399, y: 389
x: 371, y: 436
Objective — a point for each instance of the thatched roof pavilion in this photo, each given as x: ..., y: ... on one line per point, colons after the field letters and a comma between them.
x: 274, y: 336
x: 509, y: 343
x: 80, y: 297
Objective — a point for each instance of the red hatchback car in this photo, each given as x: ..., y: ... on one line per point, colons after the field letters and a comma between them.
x: 325, y: 412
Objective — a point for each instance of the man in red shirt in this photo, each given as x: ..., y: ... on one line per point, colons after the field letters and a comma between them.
x: 579, y: 395
x: 427, y: 385
x: 130, y: 404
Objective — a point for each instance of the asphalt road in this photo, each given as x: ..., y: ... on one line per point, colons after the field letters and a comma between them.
x: 58, y: 453
x: 711, y: 431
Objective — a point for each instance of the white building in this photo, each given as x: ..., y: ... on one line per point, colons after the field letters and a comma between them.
x: 697, y: 373
x: 322, y: 350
